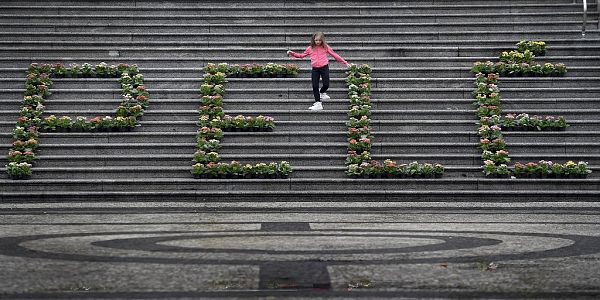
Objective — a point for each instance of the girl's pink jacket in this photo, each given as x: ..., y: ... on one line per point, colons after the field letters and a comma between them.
x: 318, y: 56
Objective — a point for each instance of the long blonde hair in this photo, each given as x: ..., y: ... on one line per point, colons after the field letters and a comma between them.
x: 321, y: 36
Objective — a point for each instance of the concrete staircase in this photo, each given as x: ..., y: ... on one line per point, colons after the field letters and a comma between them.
x: 421, y: 53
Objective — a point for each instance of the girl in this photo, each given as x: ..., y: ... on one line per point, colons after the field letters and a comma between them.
x: 319, y: 61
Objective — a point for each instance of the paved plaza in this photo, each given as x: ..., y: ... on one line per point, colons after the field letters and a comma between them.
x: 299, y: 250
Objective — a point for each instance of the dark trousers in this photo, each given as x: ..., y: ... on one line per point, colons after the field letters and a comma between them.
x: 322, y: 72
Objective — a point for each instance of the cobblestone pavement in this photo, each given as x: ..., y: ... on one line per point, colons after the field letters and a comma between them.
x: 299, y: 250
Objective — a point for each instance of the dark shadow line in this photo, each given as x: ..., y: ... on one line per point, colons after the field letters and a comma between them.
x: 378, y: 210
x: 358, y: 294
x: 315, y: 222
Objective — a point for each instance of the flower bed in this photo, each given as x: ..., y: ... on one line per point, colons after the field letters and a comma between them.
x: 253, y: 70
x: 536, y: 47
x: 236, y: 170
x: 37, y: 88
x: 524, y: 122
x: 495, y: 155
x: 213, y: 122
x: 521, y: 62
x: 358, y: 161
x: 238, y: 123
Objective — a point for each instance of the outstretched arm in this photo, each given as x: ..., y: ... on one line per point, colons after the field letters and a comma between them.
x: 299, y: 55
x: 337, y: 57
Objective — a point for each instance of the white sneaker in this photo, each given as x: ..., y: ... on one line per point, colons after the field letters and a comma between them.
x: 316, y: 106
x: 324, y: 96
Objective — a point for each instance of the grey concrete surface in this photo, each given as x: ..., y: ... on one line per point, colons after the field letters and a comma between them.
x: 273, y: 250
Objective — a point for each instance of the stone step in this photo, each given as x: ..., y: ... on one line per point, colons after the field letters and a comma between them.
x: 499, y: 36
x: 136, y: 25
x: 306, y: 115
x: 508, y: 105
x: 292, y: 83
x: 330, y: 9
x: 330, y: 159
x: 257, y: 147
x: 335, y: 72
x: 279, y: 186
x: 295, y: 83
x: 335, y: 93
x: 274, y: 39
x: 376, y: 62
x: 338, y: 196
x: 256, y: 196
x: 53, y: 161
x: 376, y: 125
x: 299, y: 17
x: 77, y: 52
x: 300, y: 172
x: 270, y: 4
x: 260, y: 104
x: 278, y: 206
x: 323, y: 135
x: 464, y: 45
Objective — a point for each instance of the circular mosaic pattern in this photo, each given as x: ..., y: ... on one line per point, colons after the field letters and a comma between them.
x: 333, y: 246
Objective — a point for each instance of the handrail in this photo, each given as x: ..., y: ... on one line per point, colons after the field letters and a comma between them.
x: 585, y: 16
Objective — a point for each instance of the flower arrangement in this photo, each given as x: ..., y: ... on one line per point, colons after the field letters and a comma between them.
x: 253, y: 70
x: 75, y: 70
x: 517, y: 57
x: 538, y: 48
x: 240, y: 123
x: 213, y: 122
x: 358, y: 160
x: 521, y: 69
x: 521, y: 62
x: 234, y: 170
x: 18, y: 156
x: 18, y: 170
x: 487, y: 94
x: 549, y: 169
x: 389, y: 169
x: 37, y: 89
x: 490, y: 169
x: 525, y: 122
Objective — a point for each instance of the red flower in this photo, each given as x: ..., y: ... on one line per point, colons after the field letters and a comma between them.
x: 14, y: 153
